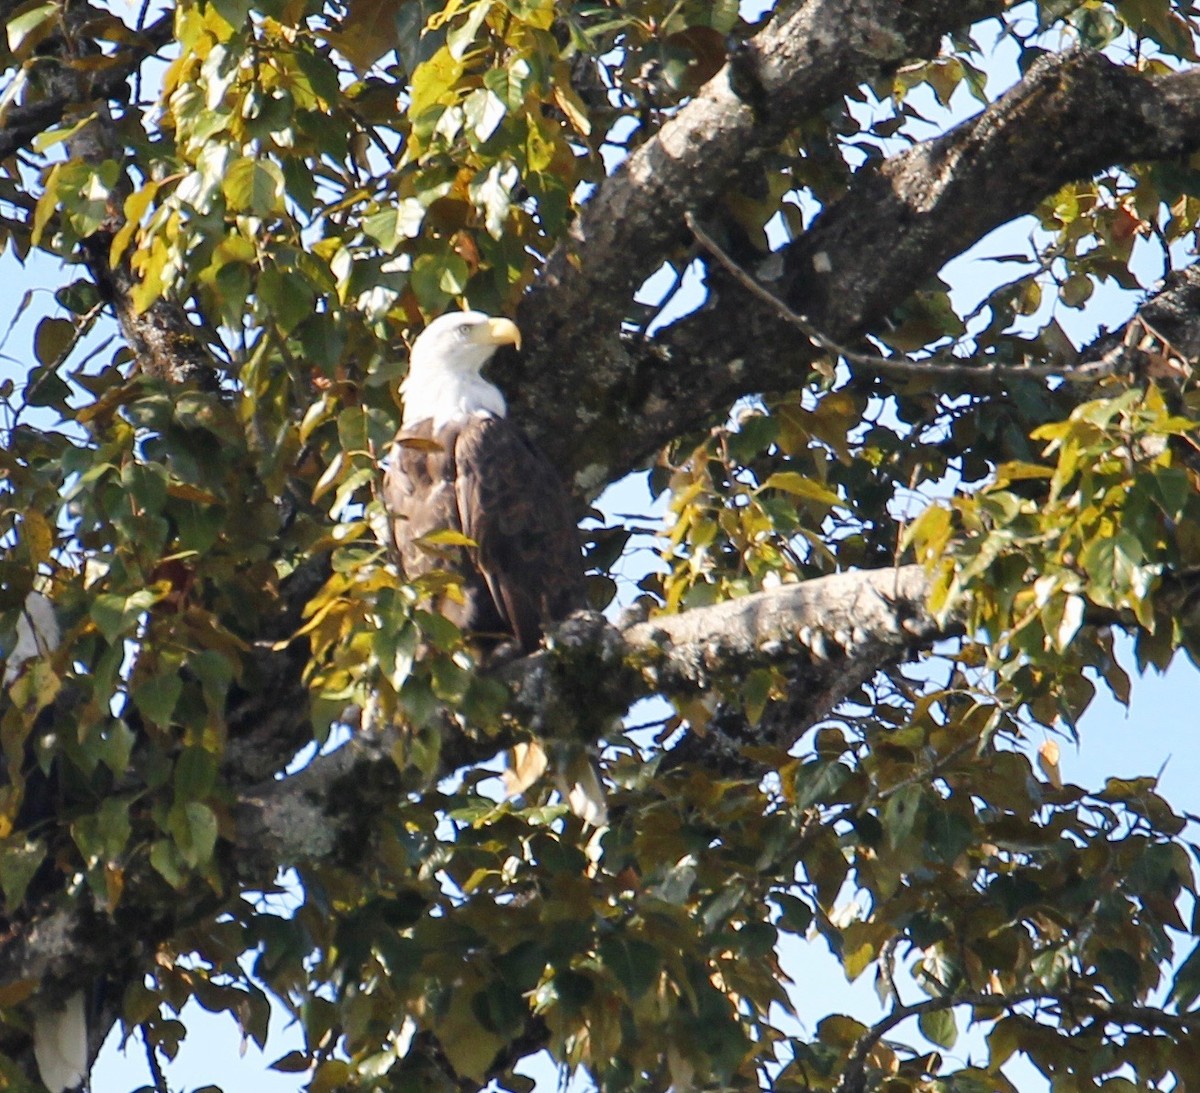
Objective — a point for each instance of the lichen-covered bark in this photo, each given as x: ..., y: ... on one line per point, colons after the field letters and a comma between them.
x: 807, y: 57
x: 1070, y: 116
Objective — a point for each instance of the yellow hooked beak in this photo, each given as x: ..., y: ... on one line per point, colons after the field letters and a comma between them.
x: 502, y: 332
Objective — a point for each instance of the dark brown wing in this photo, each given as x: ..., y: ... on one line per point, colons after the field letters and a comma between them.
x: 419, y: 494
x: 514, y: 505
x: 484, y: 478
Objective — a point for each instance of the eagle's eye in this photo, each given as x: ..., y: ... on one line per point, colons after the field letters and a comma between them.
x: 464, y: 331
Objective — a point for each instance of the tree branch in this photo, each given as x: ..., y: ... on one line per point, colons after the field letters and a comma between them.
x: 943, y: 364
x: 830, y: 634
x: 897, y: 225
x: 933, y: 201
x: 798, y: 64
x: 24, y: 123
x: 853, y: 1077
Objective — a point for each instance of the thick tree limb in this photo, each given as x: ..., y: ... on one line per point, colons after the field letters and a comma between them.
x: 831, y: 622
x: 1071, y: 115
x: 835, y: 630
x: 830, y: 634
x: 808, y: 56
x: 1067, y: 118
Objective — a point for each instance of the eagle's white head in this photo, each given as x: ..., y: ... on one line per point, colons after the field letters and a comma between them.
x: 444, y: 381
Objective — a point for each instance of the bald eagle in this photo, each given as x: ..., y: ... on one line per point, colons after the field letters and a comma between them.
x: 459, y: 465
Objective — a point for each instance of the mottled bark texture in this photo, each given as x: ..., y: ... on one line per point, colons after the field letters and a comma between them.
x: 899, y: 223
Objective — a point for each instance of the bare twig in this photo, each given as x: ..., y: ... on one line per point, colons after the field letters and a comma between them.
x: 156, y: 1072
x: 890, y: 366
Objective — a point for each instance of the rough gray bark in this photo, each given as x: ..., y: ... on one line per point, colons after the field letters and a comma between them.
x: 830, y: 634
x: 841, y: 627
x: 1072, y: 115
x: 808, y: 56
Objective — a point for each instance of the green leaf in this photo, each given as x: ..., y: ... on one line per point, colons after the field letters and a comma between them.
x: 331, y: 1075
x: 294, y: 1062
x: 19, y: 860
x: 115, y: 615
x: 52, y: 339
x: 195, y: 774
x: 484, y: 111
x: 254, y: 185
x: 1077, y: 290
x: 114, y: 826
x: 756, y: 692
x: 818, y: 782
x: 438, y: 277
x: 390, y: 227
x: 938, y: 1027
x: 194, y: 828
x: 635, y: 964
x: 491, y: 191
x: 287, y: 296
x: 1003, y: 1040
x: 234, y: 12
x: 157, y: 697
x: 165, y: 858
x: 115, y: 746
x: 510, y: 84
x: 795, y: 915
x: 1185, y: 987
x: 462, y: 37
x: 536, y: 13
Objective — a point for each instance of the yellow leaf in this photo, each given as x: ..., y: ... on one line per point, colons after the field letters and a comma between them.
x: 136, y: 205
x: 446, y: 537
x: 840, y: 1031
x: 328, y: 477
x: 794, y: 483
x: 469, y: 1047
x: 1048, y: 761
x: 331, y: 1074
x: 47, y: 204
x: 572, y: 106
x: 38, y: 536
x: 526, y: 764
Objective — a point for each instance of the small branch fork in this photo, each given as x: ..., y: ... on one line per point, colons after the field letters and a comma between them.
x: 853, y: 1079
x: 1105, y: 365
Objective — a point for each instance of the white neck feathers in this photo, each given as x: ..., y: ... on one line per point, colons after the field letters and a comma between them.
x: 448, y: 394
x: 444, y: 381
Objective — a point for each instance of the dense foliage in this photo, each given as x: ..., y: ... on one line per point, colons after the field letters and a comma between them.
x: 270, y: 198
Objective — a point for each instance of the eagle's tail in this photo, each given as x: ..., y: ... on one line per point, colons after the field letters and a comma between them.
x: 60, y: 1043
